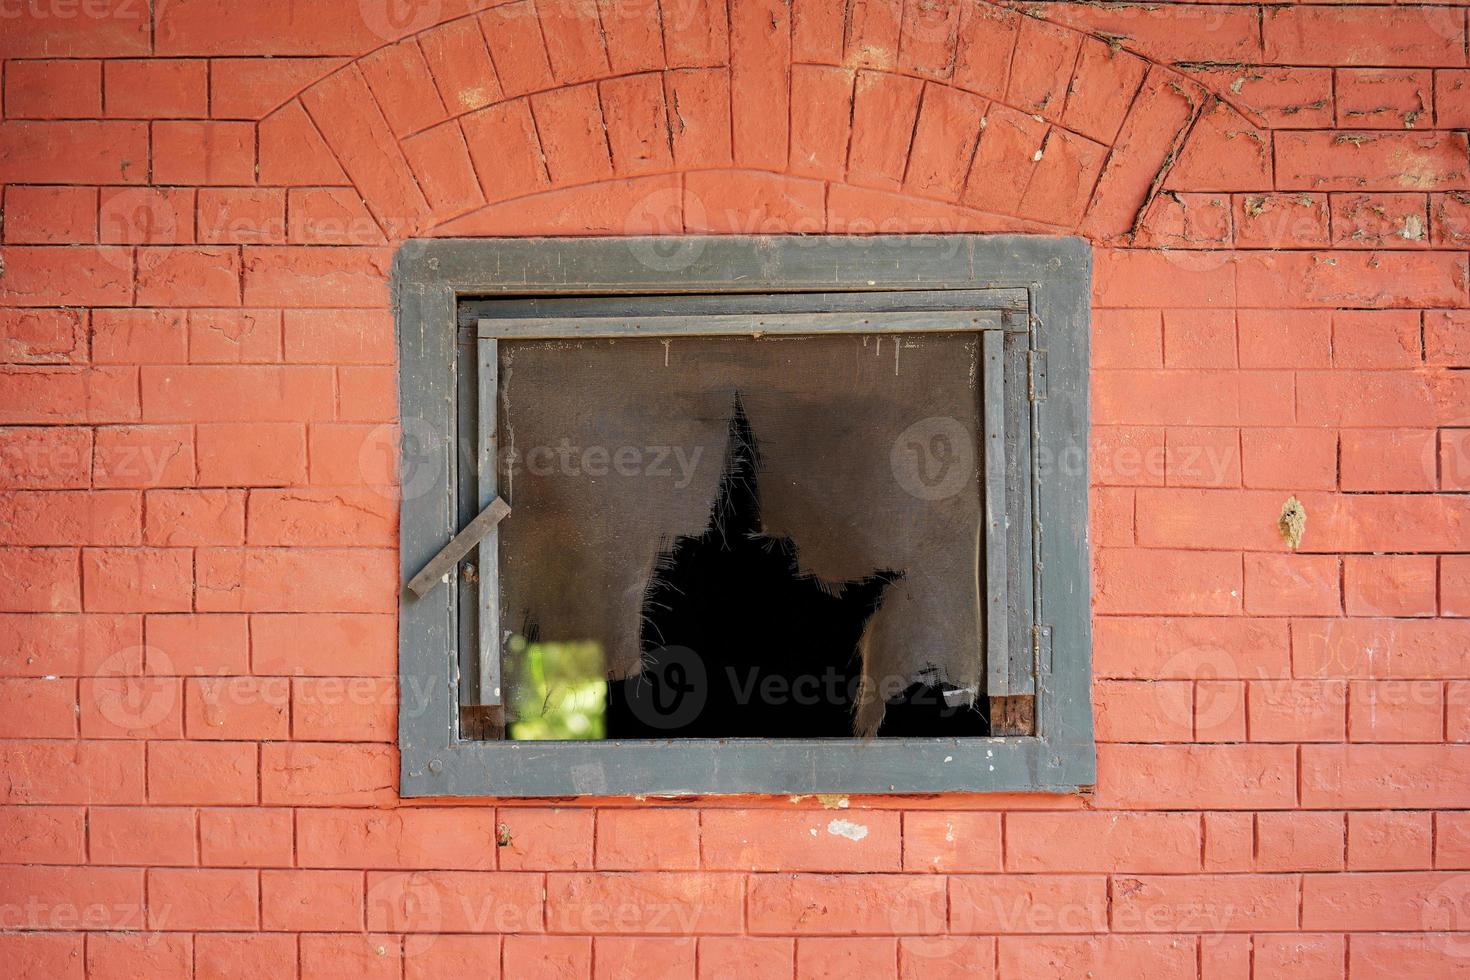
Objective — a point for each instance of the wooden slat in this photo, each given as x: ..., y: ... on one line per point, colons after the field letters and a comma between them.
x: 997, y: 624
x: 488, y: 458
x: 441, y: 566
x: 744, y: 324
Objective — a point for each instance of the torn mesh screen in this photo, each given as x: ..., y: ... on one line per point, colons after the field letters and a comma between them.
x: 610, y: 449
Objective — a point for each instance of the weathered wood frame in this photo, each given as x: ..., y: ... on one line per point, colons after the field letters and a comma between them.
x: 1040, y: 285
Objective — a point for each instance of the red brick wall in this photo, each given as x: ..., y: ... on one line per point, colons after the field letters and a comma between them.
x: 197, y: 523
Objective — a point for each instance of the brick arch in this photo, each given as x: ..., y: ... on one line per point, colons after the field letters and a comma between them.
x: 957, y: 115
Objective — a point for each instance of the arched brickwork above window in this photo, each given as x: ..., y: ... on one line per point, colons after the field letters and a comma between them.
x: 813, y: 115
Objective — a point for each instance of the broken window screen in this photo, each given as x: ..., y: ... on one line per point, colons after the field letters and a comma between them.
x: 769, y: 535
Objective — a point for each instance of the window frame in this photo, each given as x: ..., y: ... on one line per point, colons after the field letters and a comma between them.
x: 1051, y: 276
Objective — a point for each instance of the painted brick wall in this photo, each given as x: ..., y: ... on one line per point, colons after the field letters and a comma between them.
x: 197, y: 522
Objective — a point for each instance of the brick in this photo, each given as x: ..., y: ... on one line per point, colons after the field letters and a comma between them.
x: 71, y: 898
x: 1454, y: 585
x: 42, y: 336
x: 1157, y: 843
x: 250, y: 88
x: 137, y: 580
x: 450, y: 838
x: 323, y: 277
x: 1166, y: 581
x: 330, y: 216
x: 695, y: 33
x: 832, y: 959
x: 884, y: 109
x: 1369, y: 161
x: 81, y: 152
x: 330, y: 644
x: 237, y: 708
x: 944, y: 142
x: 1359, y: 648
x: 1293, y: 585
x: 1155, y: 117
x: 1289, y: 458
x: 44, y: 834
x: 1228, y: 903
x: 42, y: 956
x: 983, y: 49
x: 1027, y: 904
x: 1407, y: 776
x: 1229, y: 841
x: 517, y: 48
x: 157, y: 88
x: 1144, y: 711
x: 203, y: 899
x: 1304, y: 954
x: 50, y: 215
x: 928, y: 39
x: 1389, y: 841
x: 191, y: 644
x: 951, y: 841
x: 37, y: 645
x: 1127, y: 339
x: 141, y: 836
x: 355, y: 709
x: 194, y: 517
x: 455, y: 901
x: 252, y: 454
x: 202, y: 773
x: 131, y: 707
x: 53, y: 89
x: 343, y: 957
x: 139, y: 337
x: 38, y: 708
x: 1299, y: 841
x: 403, y: 87
x: 441, y: 161
x: 1298, y: 220
x: 1367, y: 901
x: 1388, y: 459
x: 735, y: 201
x: 293, y: 152
x: 844, y: 905
x: 541, y: 838
x: 1171, y: 957
x: 49, y: 458
x: 442, y: 956
x: 725, y: 956
x: 647, y: 840
x: 245, y: 837
x: 85, y: 772
x: 760, y: 56
x: 229, y: 393
x: 1389, y: 585
x: 637, y: 124
x: 147, y: 216
x: 47, y: 275
x: 325, y: 774
x: 344, y: 111
x: 1380, y: 220
x: 699, y: 117
x: 1101, y: 90
x: 238, y: 956
x: 203, y: 153
x: 460, y: 64
x: 114, y: 956
x: 234, y: 336
x: 1297, y: 711
x: 70, y: 517
x: 321, y: 901
x: 1004, y: 163
x: 1223, y: 152
x: 40, y: 580
x: 800, y: 841
x: 1376, y: 338
x: 1364, y: 37
x: 1228, y: 777
x: 189, y: 276
x: 1178, y: 219
x: 573, y: 137
x: 1395, y: 711
x: 1451, y: 839
x: 1038, y: 82
x: 1202, y: 456
x: 1199, y: 339
x: 548, y: 956
x: 242, y: 215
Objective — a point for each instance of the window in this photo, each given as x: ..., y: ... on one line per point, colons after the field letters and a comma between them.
x: 789, y: 515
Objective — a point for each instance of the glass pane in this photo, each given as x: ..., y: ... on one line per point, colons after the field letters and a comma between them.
x: 742, y: 537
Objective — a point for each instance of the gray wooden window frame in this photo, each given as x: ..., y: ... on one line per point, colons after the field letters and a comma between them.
x: 1024, y: 289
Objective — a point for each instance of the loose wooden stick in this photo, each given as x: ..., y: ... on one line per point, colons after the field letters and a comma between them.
x: 443, y: 563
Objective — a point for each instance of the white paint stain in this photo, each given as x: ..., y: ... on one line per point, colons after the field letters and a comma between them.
x: 848, y: 829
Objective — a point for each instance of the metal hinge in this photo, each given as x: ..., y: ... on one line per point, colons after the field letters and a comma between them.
x: 1036, y: 371
x: 1041, y: 636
